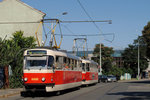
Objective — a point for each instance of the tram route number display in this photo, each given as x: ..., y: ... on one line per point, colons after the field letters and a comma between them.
x: 36, y: 52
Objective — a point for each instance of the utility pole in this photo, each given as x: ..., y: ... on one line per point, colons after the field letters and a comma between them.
x: 100, y: 59
x: 138, y: 58
x: 80, y: 43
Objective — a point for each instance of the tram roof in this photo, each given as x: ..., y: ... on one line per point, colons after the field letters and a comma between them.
x: 89, y: 61
x: 54, y: 52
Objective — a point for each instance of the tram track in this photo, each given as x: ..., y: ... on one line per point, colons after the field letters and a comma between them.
x: 94, y: 91
x: 84, y: 92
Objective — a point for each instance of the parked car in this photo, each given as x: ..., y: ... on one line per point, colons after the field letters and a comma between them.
x: 102, y: 78
x: 111, y: 78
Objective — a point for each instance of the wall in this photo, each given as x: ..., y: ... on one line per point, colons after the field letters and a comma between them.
x: 17, y: 11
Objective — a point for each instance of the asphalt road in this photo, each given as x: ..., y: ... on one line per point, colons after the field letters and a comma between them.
x: 135, y: 90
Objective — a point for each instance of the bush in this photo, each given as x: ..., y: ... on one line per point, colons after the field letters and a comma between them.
x: 15, y: 80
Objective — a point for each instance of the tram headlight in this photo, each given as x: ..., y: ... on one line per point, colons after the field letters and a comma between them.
x: 43, y: 79
x: 25, y: 79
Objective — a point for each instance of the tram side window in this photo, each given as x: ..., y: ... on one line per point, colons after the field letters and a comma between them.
x: 72, y: 64
x: 59, y: 62
x: 75, y: 64
x: 96, y: 68
x: 87, y: 67
x: 91, y: 67
x: 83, y: 66
x: 69, y: 62
x: 66, y: 62
x: 80, y: 64
x: 50, y: 61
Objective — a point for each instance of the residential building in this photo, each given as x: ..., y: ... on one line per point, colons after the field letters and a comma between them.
x: 16, y: 15
x: 117, y: 58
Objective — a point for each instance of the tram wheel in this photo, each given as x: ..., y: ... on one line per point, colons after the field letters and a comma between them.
x: 79, y: 88
x: 58, y: 93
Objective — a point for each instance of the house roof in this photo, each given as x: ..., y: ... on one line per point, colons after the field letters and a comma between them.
x: 31, y: 7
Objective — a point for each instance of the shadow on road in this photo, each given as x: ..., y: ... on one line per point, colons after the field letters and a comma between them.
x: 46, y: 94
x: 133, y: 95
x: 51, y: 94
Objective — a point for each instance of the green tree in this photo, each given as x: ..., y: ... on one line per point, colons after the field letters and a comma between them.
x: 11, y: 53
x: 6, y: 57
x: 106, y: 57
x: 146, y: 36
x: 130, y: 57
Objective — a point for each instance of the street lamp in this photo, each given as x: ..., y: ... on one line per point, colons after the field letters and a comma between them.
x: 138, y: 59
x: 100, y: 58
x: 64, y: 13
x: 139, y: 37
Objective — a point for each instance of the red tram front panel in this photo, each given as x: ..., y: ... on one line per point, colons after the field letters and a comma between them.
x: 59, y: 77
x: 38, y: 78
x: 58, y: 80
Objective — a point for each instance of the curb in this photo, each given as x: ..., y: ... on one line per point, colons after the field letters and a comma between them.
x: 8, y: 95
x: 133, y: 80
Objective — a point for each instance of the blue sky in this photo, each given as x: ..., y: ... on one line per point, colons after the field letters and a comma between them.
x: 128, y: 19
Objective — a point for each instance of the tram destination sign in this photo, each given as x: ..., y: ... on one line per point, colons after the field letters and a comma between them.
x: 36, y: 52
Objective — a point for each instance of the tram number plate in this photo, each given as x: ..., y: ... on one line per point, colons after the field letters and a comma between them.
x: 34, y: 79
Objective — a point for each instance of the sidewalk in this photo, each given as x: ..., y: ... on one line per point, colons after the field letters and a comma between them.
x: 133, y: 80
x: 4, y: 93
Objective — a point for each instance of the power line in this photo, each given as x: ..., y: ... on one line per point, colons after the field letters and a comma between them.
x: 54, y: 21
x: 74, y: 21
x: 85, y: 34
x: 94, y: 21
x: 89, y: 16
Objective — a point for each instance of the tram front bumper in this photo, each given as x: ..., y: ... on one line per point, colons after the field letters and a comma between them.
x: 37, y: 87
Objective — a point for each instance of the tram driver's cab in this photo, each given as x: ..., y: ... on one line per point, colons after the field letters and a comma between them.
x: 37, y: 59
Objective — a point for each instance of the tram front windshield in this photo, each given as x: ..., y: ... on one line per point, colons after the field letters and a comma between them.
x: 39, y: 62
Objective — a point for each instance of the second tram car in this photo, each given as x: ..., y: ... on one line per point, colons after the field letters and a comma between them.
x: 51, y: 70
x: 89, y: 72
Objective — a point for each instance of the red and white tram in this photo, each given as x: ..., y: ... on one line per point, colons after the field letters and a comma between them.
x: 89, y: 72
x: 51, y: 70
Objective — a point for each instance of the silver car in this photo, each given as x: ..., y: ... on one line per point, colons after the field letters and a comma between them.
x: 111, y: 78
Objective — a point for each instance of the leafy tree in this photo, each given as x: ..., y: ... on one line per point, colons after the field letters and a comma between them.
x: 130, y: 57
x: 146, y: 36
x: 6, y: 53
x: 11, y: 53
x: 6, y: 57
x: 106, y: 57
